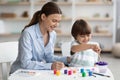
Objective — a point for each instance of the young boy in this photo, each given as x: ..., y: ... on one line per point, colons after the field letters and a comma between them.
x: 83, y: 53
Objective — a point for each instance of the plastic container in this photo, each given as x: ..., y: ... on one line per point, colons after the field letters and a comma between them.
x: 102, y: 66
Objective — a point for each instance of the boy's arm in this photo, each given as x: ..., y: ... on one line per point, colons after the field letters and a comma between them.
x: 81, y: 47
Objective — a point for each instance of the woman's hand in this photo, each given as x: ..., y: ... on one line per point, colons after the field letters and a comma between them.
x: 57, y: 65
x: 68, y: 59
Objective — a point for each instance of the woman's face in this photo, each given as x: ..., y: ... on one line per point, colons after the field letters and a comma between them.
x: 84, y: 38
x: 51, y: 22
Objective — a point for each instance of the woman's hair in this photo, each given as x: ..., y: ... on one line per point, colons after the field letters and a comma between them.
x: 47, y: 9
x: 80, y: 27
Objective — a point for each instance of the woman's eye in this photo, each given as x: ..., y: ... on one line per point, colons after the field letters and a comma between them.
x: 54, y: 20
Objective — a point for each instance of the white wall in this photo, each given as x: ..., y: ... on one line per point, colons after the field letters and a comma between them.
x: 118, y: 21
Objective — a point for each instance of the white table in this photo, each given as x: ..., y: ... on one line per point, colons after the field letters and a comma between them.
x: 49, y: 75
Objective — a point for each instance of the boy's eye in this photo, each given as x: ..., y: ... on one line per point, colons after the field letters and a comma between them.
x: 82, y: 35
x: 88, y: 35
x: 54, y: 20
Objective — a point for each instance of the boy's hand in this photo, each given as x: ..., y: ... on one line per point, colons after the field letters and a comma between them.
x: 96, y: 48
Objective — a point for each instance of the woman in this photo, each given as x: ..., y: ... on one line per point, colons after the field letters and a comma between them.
x: 36, y: 44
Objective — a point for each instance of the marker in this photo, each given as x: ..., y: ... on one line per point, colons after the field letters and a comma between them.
x: 101, y: 74
x: 93, y: 75
x: 29, y: 72
x: 24, y: 71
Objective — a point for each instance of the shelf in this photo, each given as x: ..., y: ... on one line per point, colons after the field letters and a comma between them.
x: 94, y: 34
x: 14, y: 3
x: 64, y: 3
x: 94, y: 3
x: 102, y: 34
x: 37, y: 3
x: 64, y: 34
x: 59, y: 3
x: 28, y: 19
x: 16, y: 18
x: 9, y: 34
x: 66, y: 19
x: 78, y: 3
x: 96, y: 19
x: 18, y: 34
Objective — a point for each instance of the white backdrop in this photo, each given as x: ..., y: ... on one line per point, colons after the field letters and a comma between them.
x: 118, y: 21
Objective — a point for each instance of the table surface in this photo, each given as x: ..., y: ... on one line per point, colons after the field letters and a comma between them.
x: 22, y: 74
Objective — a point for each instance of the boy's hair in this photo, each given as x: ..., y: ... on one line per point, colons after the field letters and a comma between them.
x: 80, y: 27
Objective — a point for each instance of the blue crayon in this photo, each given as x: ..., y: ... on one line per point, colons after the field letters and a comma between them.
x: 82, y: 70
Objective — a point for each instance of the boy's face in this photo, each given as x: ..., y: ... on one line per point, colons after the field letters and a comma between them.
x: 84, y: 38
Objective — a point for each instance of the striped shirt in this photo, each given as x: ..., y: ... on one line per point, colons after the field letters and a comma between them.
x: 83, y: 58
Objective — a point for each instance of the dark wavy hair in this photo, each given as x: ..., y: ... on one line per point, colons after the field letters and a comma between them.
x: 47, y: 9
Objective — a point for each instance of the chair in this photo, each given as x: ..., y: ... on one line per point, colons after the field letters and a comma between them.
x: 8, y: 53
x: 65, y: 48
x: 2, y: 27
